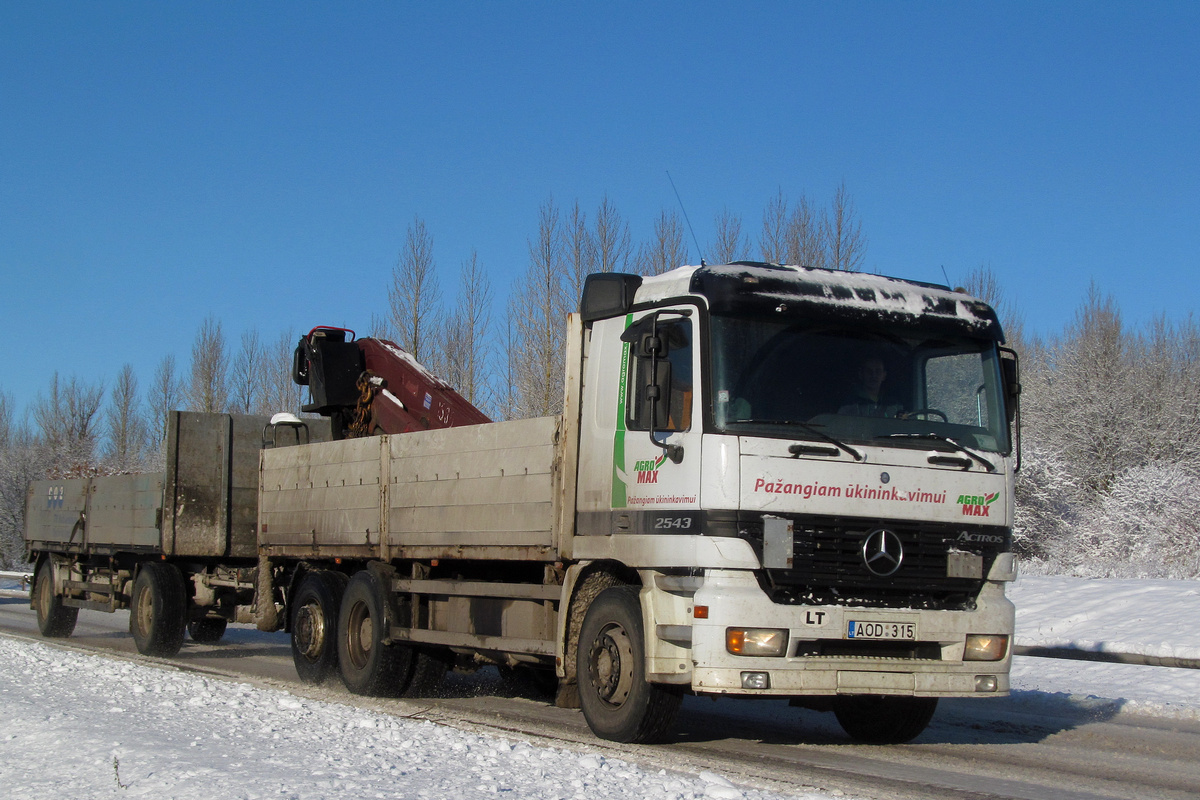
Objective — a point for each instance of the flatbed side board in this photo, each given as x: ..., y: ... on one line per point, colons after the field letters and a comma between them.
x: 479, y: 486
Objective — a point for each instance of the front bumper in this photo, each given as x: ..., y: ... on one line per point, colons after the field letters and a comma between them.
x: 935, y: 669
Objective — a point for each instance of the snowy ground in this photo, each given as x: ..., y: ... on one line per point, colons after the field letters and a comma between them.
x: 163, y: 733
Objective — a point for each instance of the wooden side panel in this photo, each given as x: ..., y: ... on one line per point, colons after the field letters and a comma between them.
x: 54, y: 511
x: 124, y: 510
x: 477, y: 486
x: 322, y: 495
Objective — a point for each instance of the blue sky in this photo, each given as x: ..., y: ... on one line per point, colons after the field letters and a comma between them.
x: 260, y: 162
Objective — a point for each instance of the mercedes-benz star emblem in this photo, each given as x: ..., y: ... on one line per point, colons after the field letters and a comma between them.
x: 882, y: 552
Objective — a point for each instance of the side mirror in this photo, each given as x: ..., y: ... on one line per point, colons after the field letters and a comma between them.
x: 1010, y: 372
x: 300, y: 363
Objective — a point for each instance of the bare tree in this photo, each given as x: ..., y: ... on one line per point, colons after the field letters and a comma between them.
x: 166, y: 395
x: 579, y: 252
x: 22, y: 460
x: 127, y: 430
x: 207, y: 390
x: 414, y: 293
x: 246, y: 390
x: 467, y: 349
x: 666, y: 249
x: 805, y: 239
x: 280, y: 392
x: 982, y: 282
x: 611, y: 234
x: 539, y: 314
x: 773, y: 241
x: 508, y: 392
x: 68, y: 417
x: 731, y: 244
x: 843, y: 233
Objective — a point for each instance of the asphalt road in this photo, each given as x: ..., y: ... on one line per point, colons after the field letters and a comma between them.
x: 992, y: 748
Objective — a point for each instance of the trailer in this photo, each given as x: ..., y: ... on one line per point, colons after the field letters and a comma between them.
x: 767, y: 481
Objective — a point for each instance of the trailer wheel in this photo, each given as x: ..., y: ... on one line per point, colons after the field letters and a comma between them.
x: 315, y: 611
x: 207, y: 630
x: 54, y: 619
x: 368, y: 666
x: 617, y: 702
x: 875, y: 719
x: 156, y: 610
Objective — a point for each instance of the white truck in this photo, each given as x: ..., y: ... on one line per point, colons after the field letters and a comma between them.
x: 767, y: 481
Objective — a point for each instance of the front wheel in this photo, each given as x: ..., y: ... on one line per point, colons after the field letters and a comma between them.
x: 368, y: 666
x: 54, y: 619
x: 617, y: 702
x: 876, y: 719
x: 156, y: 612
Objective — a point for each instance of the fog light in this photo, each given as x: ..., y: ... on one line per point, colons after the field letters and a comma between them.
x: 983, y: 683
x: 985, y: 647
x: 756, y: 641
x: 756, y: 680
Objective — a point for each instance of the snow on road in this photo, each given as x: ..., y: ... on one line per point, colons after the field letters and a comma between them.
x: 163, y: 733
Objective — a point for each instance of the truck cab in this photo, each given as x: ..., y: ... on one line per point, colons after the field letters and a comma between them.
x: 815, y: 470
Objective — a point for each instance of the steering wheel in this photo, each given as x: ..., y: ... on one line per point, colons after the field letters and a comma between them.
x: 917, y: 414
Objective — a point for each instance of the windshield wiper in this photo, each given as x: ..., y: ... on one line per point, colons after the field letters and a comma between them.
x: 937, y: 437
x: 797, y: 449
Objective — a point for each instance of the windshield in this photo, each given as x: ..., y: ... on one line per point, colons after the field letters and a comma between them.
x: 784, y: 378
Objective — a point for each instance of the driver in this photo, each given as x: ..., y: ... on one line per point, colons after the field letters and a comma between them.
x: 866, y: 398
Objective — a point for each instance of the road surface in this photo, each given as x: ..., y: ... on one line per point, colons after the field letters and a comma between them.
x: 1030, y: 748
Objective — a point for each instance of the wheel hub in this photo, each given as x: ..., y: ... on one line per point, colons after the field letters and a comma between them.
x: 611, y: 665
x: 310, y: 630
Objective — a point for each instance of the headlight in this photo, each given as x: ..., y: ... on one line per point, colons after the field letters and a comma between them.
x: 756, y: 641
x: 985, y: 647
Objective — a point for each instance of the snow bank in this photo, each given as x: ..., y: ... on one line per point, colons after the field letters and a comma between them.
x: 83, y: 726
x: 1144, y: 617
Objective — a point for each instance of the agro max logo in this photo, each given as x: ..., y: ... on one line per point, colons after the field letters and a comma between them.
x: 647, y: 471
x: 975, y: 506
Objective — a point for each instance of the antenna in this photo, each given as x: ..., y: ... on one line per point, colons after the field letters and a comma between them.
x: 944, y: 275
x: 685, y: 219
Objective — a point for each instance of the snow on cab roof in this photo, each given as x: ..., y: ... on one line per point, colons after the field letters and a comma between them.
x: 824, y: 294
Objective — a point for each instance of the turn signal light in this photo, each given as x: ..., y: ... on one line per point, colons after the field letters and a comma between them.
x: 756, y: 641
x: 985, y: 647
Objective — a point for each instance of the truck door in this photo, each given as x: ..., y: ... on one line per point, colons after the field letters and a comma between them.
x: 656, y: 449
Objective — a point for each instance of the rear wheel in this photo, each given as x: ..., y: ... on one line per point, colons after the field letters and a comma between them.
x: 207, y: 630
x: 54, y: 619
x: 315, y: 610
x: 428, y: 671
x: 876, y: 719
x: 156, y: 613
x: 617, y: 702
x: 368, y: 666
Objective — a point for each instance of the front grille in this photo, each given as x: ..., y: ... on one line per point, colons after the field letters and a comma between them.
x: 829, y: 569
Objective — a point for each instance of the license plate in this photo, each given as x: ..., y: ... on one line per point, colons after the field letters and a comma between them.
x: 861, y: 629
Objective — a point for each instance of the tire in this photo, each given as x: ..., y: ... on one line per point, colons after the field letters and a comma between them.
x: 428, y: 671
x: 368, y: 666
x: 617, y: 702
x: 314, y: 624
x: 874, y: 719
x: 55, y: 620
x: 207, y: 630
x: 157, y: 608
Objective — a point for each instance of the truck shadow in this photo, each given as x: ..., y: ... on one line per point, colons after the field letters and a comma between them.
x: 1023, y: 718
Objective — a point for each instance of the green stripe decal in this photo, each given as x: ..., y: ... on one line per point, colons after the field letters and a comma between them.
x: 618, y: 476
